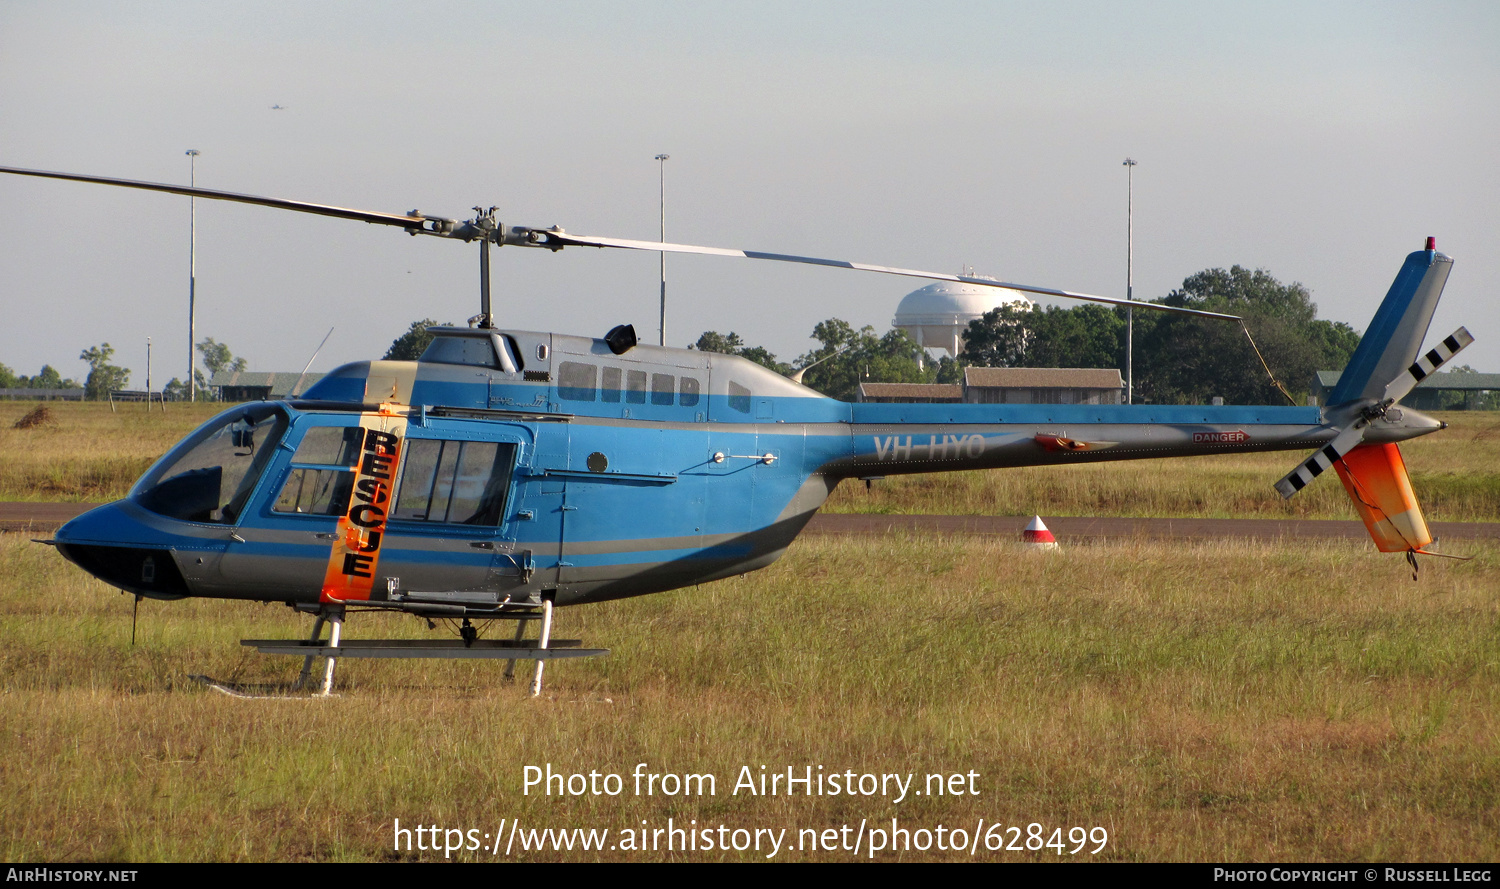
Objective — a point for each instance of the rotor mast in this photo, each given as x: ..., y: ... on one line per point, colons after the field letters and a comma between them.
x: 485, y: 223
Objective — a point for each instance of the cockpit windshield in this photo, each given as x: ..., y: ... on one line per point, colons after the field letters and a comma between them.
x: 209, y: 476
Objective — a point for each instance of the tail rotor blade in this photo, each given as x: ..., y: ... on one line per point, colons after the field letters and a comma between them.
x: 1322, y: 459
x: 1427, y: 365
x: 1350, y: 437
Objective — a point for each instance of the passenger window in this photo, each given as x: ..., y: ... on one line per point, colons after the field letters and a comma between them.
x: 635, y: 386
x: 609, y: 384
x: 315, y: 492
x: 472, y: 350
x: 575, y: 381
x: 739, y: 397
x: 689, y: 397
x: 330, y: 446
x: 455, y: 482
x: 418, y: 478
x: 663, y: 389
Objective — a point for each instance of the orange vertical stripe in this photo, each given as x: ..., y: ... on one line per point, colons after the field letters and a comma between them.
x: 355, y: 556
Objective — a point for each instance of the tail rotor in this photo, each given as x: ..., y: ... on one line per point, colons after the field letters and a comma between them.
x: 1352, y: 435
x: 1362, y: 405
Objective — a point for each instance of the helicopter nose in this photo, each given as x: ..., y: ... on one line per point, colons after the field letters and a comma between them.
x: 120, y: 549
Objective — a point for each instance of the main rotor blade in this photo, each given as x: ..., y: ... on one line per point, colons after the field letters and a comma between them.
x: 1427, y: 364
x: 412, y: 221
x: 556, y: 239
x: 565, y: 239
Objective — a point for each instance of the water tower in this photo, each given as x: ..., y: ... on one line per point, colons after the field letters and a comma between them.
x: 937, y: 315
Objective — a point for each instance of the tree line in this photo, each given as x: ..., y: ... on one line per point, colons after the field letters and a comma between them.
x: 105, y: 377
x: 1178, y: 359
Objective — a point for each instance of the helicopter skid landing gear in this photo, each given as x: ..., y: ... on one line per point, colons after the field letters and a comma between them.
x: 536, y: 680
x: 307, y: 662
x: 510, y: 665
x: 335, y: 647
x: 334, y: 617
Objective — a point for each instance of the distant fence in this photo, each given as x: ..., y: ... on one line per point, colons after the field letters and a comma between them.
x: 42, y: 394
x: 136, y: 395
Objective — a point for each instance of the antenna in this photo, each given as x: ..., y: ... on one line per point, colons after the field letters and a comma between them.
x: 297, y: 386
x: 796, y: 376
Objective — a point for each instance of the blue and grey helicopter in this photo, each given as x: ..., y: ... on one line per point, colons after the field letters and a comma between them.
x: 506, y: 472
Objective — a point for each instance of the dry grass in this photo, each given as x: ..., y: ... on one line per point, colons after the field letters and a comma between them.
x: 41, y: 415
x: 1232, y: 701
x: 87, y: 453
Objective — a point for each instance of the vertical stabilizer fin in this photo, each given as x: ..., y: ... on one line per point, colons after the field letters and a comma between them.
x: 1390, y: 344
x: 1375, y: 477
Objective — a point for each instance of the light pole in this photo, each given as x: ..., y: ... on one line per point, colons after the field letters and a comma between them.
x: 1129, y: 280
x: 661, y: 194
x: 192, y: 154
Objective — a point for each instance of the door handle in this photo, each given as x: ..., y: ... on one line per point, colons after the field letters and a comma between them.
x: 482, y: 544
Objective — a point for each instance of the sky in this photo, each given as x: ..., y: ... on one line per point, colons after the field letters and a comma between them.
x: 1321, y: 142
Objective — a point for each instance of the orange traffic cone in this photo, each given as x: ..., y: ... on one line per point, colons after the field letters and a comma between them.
x: 1036, y: 535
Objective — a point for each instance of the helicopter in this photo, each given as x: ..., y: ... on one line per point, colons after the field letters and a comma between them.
x: 508, y: 472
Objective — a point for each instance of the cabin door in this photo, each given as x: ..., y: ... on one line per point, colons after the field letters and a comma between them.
x: 450, y: 529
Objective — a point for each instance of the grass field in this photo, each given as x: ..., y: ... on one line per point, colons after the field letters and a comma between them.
x: 91, y: 454
x: 1227, y: 701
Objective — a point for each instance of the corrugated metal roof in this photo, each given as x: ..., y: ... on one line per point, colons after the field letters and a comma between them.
x: 279, y: 382
x: 1042, y: 378
x: 1469, y: 382
x: 927, y: 391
